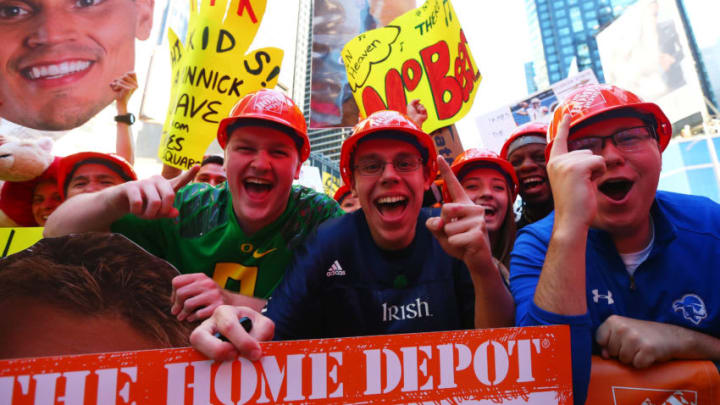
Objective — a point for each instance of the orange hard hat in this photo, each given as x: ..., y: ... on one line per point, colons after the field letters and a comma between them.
x: 531, y: 128
x: 69, y: 163
x: 387, y: 120
x: 341, y: 193
x: 273, y: 106
x: 484, y: 158
x: 595, y: 99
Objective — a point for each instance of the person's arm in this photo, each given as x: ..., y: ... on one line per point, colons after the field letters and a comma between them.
x: 124, y: 87
x: 462, y: 233
x: 643, y: 343
x: 148, y: 198
x: 559, y: 295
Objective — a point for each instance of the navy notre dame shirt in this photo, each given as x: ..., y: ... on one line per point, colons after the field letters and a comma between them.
x: 342, y: 284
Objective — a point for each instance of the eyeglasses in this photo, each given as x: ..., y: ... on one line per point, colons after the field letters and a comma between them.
x: 374, y: 167
x: 626, y: 140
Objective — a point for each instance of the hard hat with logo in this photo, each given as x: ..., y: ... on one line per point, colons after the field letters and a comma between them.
x: 273, y: 106
x: 531, y: 131
x: 479, y: 158
x: 341, y: 193
x: 595, y: 99
x: 387, y: 121
x: 70, y: 163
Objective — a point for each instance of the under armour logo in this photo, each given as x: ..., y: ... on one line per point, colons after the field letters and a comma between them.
x: 608, y: 297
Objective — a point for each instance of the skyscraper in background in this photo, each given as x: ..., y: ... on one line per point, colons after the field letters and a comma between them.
x: 562, y: 37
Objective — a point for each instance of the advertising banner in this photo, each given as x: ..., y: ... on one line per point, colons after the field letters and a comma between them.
x: 646, y: 51
x: 496, y: 126
x: 211, y: 72
x: 334, y: 23
x: 502, y: 366
x: 423, y: 55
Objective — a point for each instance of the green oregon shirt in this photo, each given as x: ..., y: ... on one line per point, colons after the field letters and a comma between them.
x: 206, y: 237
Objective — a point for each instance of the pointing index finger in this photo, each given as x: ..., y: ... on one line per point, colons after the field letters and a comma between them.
x: 455, y: 189
x: 184, y: 178
x: 560, y: 146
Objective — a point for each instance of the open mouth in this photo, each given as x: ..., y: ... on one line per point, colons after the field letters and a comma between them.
x: 490, y: 211
x: 533, y: 183
x: 616, y: 189
x: 391, y: 206
x: 257, y: 188
x: 56, y: 71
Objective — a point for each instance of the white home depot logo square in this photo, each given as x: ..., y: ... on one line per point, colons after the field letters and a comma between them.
x: 652, y: 396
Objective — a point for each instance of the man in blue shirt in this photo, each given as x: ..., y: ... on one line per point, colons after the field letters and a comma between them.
x: 631, y: 269
x: 388, y: 268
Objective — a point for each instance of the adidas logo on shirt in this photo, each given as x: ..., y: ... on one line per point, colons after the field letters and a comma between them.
x: 335, y: 270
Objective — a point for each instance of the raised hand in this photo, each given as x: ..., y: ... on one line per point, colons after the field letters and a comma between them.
x: 572, y: 176
x: 461, y: 229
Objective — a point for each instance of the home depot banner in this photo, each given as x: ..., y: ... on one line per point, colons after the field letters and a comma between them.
x: 423, y: 54
x: 531, y: 365
x: 211, y: 72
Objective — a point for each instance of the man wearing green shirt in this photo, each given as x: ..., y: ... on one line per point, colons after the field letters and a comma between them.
x: 238, y: 237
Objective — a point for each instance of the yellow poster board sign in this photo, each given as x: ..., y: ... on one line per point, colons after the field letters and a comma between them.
x: 13, y: 240
x: 211, y: 72
x: 330, y: 183
x: 423, y: 54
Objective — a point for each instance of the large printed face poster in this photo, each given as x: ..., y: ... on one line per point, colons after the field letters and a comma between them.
x: 57, y: 62
x: 335, y: 22
x: 66, y: 69
x: 84, y: 293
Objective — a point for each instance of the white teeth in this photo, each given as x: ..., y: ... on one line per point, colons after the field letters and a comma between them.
x: 257, y: 181
x: 488, y: 208
x: 390, y: 200
x: 57, y: 70
x: 532, y: 179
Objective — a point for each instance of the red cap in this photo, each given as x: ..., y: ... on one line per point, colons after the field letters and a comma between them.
x: 269, y: 105
x: 386, y: 120
x: 341, y: 193
x: 530, y: 128
x: 16, y: 196
x: 589, y: 101
x: 475, y: 155
x: 69, y: 163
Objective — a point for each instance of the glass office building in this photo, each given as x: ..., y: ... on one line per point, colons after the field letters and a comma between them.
x: 562, y: 37
x: 692, y: 166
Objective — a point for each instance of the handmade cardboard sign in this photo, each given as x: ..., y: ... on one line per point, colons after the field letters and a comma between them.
x: 211, y: 72
x: 423, y: 54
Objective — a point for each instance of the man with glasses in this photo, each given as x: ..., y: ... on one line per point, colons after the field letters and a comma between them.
x: 632, y: 270
x: 390, y: 267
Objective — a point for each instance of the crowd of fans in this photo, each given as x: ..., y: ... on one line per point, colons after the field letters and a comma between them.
x: 594, y: 244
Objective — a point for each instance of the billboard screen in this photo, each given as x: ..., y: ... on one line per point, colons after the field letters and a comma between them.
x: 646, y: 51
